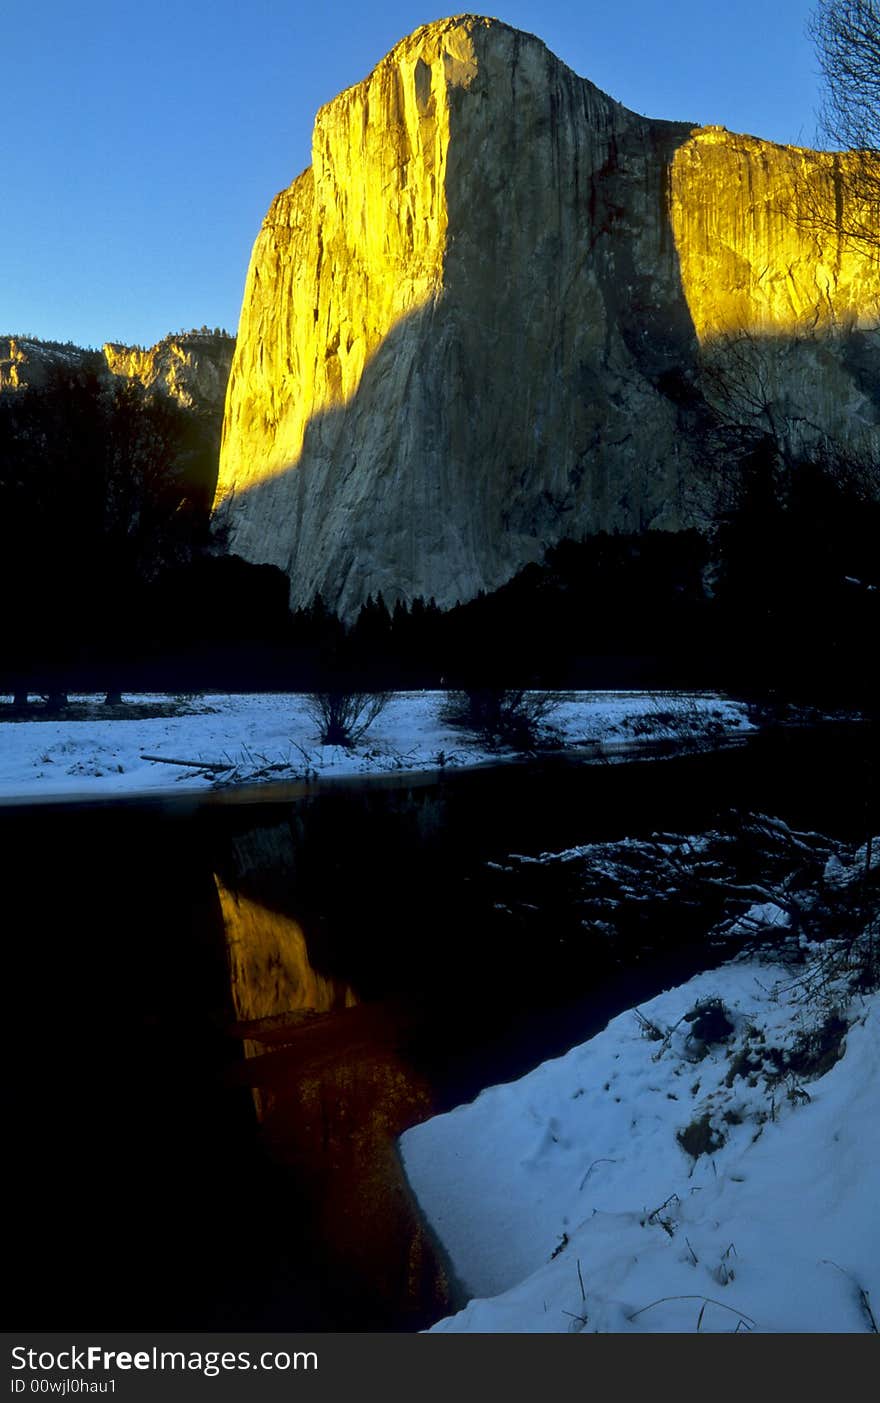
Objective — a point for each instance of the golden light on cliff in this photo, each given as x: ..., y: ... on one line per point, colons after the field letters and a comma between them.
x: 358, y: 245
x: 764, y: 239
x: 449, y: 317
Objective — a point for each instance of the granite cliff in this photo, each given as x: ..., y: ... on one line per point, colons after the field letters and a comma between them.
x: 192, y: 368
x: 500, y: 309
x: 25, y: 361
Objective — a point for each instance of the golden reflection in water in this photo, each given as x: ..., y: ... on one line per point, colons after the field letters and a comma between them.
x: 269, y: 964
x: 335, y: 1121
x: 333, y: 1090
x: 270, y: 972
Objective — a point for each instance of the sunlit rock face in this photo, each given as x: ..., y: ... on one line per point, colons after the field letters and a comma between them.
x: 13, y: 359
x: 785, y: 306
x: 756, y: 232
x: 193, y: 369
x: 24, y: 362
x: 477, y: 324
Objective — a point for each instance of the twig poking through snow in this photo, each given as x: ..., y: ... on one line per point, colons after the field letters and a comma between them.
x: 604, y: 1160
x: 707, y: 1300
x: 864, y: 1301
x: 649, y: 1029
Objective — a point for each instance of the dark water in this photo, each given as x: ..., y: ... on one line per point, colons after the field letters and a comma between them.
x: 220, y: 1015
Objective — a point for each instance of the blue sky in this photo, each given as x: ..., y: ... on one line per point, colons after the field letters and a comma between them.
x: 142, y: 143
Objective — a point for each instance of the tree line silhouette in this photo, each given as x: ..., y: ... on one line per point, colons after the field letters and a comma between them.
x: 111, y: 579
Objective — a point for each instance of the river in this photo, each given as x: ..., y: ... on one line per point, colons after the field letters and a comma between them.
x: 223, y: 1010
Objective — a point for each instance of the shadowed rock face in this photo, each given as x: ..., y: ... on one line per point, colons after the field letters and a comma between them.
x: 477, y: 324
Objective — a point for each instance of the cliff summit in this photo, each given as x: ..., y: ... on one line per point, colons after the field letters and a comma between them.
x: 500, y: 309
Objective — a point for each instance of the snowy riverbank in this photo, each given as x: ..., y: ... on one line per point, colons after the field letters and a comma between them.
x: 707, y: 1163
x: 248, y: 738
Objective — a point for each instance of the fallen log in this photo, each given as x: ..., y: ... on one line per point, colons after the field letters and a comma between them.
x: 193, y: 764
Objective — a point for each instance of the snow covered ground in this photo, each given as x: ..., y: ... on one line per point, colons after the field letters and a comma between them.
x: 709, y: 1162
x: 706, y: 1163
x: 274, y: 737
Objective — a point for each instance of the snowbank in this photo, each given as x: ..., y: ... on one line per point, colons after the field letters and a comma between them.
x: 273, y: 737
x: 702, y: 1164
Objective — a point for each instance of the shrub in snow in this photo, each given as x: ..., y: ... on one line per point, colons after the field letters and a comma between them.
x: 343, y: 717
x: 685, y: 720
x: 512, y: 716
x: 709, y: 1021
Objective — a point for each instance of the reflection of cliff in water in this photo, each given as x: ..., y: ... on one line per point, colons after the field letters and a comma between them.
x: 334, y: 1094
x: 269, y: 965
x: 333, y: 1088
x: 381, y: 971
x: 357, y: 874
x: 133, y: 1105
